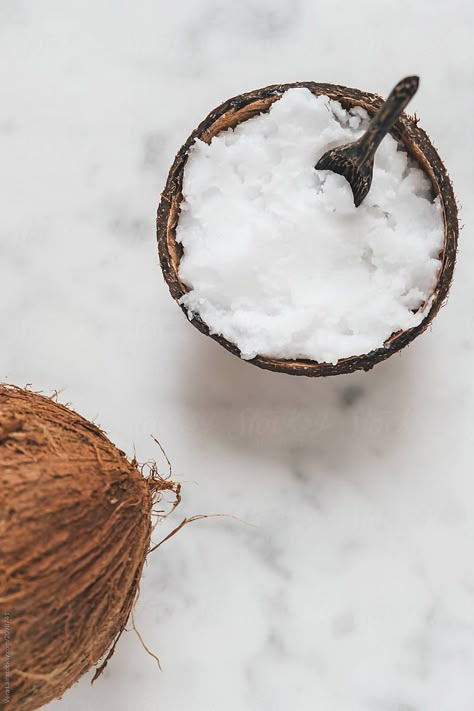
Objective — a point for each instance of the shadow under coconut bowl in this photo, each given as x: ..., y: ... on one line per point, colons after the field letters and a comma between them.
x: 409, y: 136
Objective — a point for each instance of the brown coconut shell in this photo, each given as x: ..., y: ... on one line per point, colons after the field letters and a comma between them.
x: 411, y: 137
x: 75, y: 527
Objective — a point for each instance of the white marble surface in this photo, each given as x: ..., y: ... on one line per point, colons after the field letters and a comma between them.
x: 348, y: 582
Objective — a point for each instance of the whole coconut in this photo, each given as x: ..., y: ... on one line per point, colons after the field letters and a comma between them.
x: 75, y: 527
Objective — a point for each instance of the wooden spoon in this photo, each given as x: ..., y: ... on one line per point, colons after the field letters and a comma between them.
x: 355, y: 161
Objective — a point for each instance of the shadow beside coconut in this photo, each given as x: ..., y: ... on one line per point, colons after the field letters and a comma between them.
x: 344, y: 420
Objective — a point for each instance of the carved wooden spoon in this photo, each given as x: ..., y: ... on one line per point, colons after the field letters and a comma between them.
x: 355, y: 161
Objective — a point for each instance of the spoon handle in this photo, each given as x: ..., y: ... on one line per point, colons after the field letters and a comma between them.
x: 386, y: 116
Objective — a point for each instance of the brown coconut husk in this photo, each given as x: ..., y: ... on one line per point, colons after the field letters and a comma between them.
x: 75, y: 527
x: 409, y: 135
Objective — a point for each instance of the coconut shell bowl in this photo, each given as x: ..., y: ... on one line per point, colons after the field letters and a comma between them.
x: 409, y: 136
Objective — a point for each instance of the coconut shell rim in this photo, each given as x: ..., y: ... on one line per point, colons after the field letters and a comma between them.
x: 406, y: 131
